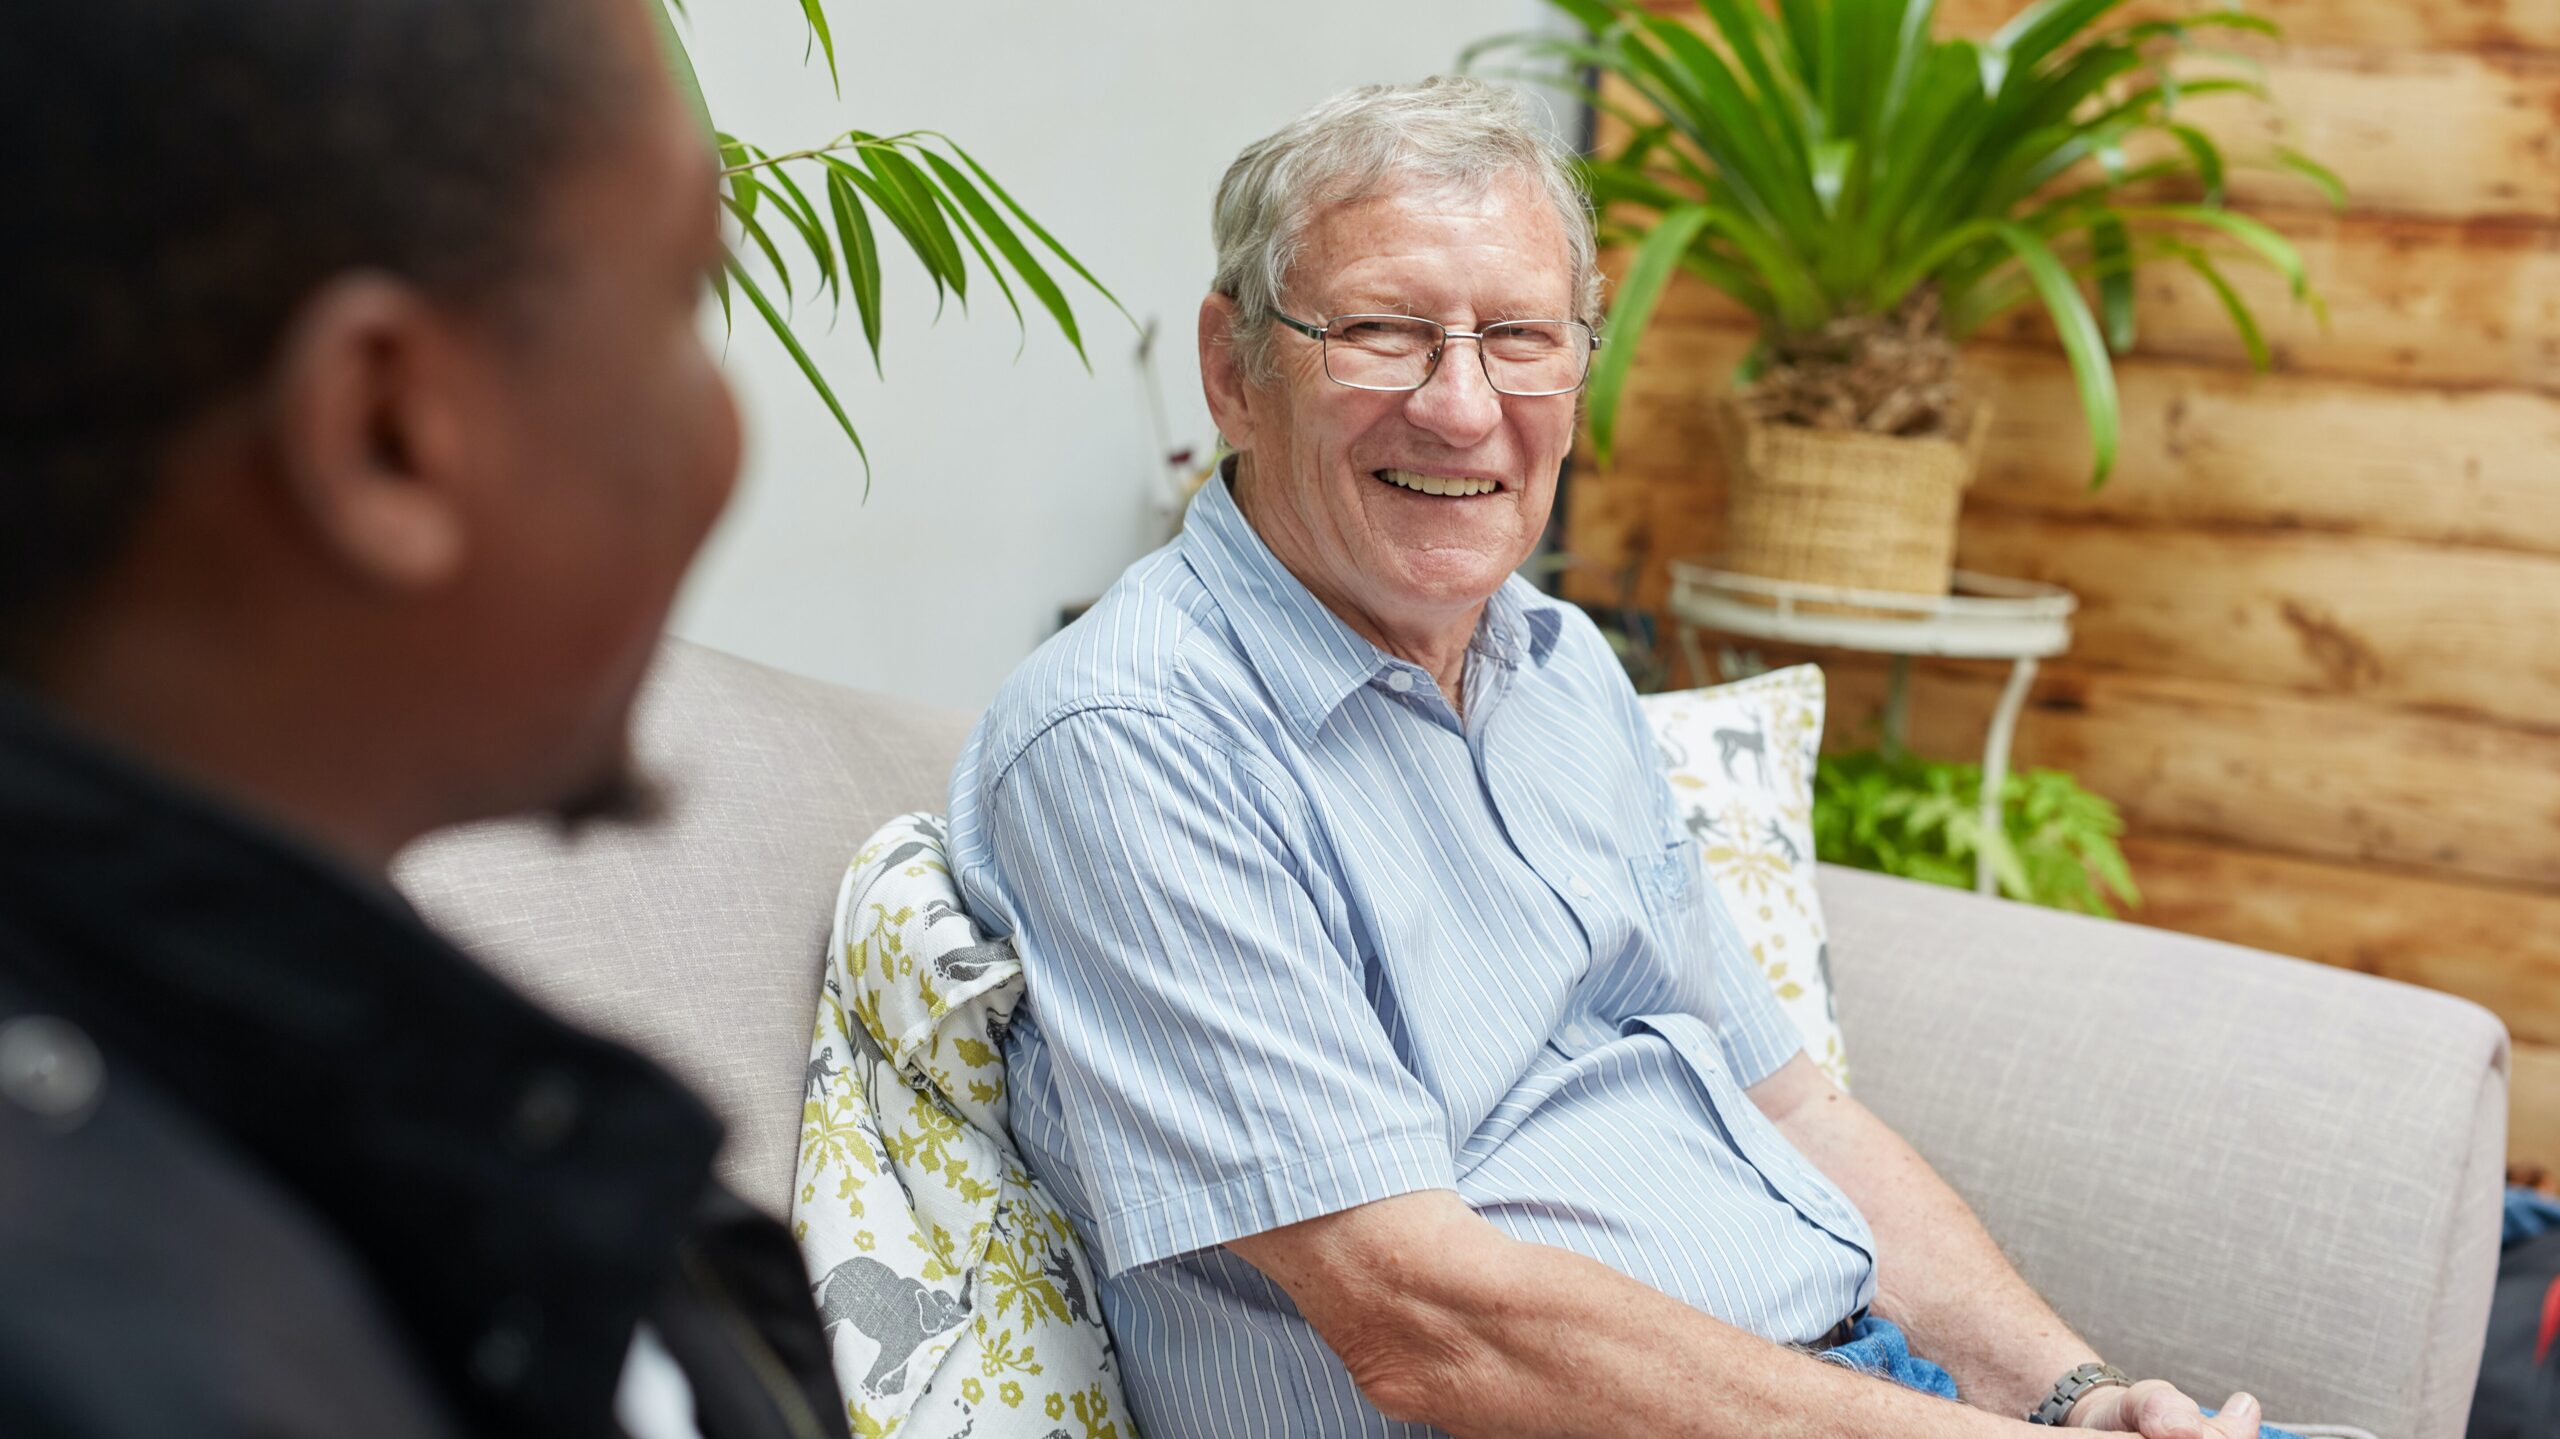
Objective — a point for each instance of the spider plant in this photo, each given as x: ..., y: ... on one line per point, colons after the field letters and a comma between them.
x: 933, y: 195
x: 1834, y: 162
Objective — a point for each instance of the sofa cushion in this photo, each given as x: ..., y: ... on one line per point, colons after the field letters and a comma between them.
x: 1740, y: 758
x: 697, y: 940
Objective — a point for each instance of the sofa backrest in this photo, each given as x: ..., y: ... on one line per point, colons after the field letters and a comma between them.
x: 698, y: 940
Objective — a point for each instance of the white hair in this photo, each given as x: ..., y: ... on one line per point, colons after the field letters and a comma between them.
x: 1447, y: 133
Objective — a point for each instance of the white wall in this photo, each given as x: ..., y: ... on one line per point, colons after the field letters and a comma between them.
x: 1002, y: 488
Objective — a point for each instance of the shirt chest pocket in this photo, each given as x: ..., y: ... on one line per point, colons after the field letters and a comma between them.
x: 1666, y: 873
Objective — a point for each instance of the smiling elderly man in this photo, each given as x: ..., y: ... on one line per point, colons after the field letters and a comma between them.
x: 1382, y: 1036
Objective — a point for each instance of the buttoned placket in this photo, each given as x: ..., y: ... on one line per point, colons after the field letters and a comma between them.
x: 1579, y: 1030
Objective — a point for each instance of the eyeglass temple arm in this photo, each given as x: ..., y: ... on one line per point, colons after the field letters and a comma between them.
x: 1312, y: 332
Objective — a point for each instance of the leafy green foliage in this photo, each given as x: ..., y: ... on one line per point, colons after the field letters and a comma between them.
x: 933, y: 195
x: 1829, y: 159
x: 1922, y: 819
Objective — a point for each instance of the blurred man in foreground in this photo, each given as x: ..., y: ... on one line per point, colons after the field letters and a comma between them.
x: 354, y: 435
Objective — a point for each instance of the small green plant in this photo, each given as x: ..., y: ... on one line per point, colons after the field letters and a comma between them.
x: 1922, y: 819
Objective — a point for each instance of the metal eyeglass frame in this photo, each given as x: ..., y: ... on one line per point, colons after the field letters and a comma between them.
x: 1431, y: 366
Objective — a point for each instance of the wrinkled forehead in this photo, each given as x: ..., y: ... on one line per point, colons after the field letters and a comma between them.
x: 1418, y: 245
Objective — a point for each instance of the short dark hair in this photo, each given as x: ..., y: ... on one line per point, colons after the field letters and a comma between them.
x: 182, y: 174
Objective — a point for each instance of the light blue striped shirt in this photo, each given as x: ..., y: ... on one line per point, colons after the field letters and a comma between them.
x: 1297, y: 938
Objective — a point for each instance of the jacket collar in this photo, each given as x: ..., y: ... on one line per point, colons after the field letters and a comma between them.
x: 516, y: 1188
x: 1306, y: 656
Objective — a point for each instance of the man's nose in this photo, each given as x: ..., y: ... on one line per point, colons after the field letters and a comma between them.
x: 1458, y: 403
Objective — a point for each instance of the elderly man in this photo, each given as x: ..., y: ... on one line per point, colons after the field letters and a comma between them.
x: 1382, y: 1037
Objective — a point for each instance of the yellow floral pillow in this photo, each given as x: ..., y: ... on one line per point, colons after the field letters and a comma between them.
x: 1741, y: 757
x: 956, y: 1298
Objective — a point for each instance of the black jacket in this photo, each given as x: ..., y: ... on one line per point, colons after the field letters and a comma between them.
x: 277, y: 1160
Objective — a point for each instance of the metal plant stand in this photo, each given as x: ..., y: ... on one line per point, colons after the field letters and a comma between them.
x: 1986, y: 618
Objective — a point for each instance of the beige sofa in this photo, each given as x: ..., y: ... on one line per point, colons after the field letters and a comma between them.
x: 2225, y: 1167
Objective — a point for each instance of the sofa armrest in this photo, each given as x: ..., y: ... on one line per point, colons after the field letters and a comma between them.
x: 2223, y: 1167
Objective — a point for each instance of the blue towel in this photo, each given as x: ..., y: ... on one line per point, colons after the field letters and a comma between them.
x: 1877, y: 1346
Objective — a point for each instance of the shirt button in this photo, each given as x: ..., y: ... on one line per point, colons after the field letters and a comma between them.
x: 1581, y: 888
x: 1400, y: 681
x: 49, y: 1068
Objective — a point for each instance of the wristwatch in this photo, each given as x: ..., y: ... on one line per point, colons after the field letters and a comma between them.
x: 2068, y: 1389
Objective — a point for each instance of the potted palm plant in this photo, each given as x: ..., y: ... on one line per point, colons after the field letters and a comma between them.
x: 1873, y: 194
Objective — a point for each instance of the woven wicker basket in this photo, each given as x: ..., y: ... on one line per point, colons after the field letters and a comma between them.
x: 1842, y: 508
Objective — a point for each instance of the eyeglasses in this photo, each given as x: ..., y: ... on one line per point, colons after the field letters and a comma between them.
x: 1399, y: 353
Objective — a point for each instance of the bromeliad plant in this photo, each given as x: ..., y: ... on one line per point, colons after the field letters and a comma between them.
x: 933, y: 195
x: 1860, y: 185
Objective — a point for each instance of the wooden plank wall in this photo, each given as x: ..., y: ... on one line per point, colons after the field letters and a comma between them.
x: 2318, y: 658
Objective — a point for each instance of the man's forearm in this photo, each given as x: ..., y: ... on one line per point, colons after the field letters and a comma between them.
x: 1938, y: 1273
x: 1594, y: 1353
x: 1442, y: 1319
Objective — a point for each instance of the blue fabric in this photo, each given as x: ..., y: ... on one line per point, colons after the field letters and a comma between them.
x: 1295, y: 938
x: 2530, y: 1214
x: 1879, y: 1347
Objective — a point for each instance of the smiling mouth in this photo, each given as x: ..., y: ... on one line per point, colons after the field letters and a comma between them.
x: 1455, y: 487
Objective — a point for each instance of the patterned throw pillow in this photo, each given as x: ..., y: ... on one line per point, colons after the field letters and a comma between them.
x: 956, y: 1298
x: 1741, y: 762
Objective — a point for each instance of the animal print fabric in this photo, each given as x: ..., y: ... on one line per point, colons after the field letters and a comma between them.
x: 956, y: 1299
x: 1741, y: 759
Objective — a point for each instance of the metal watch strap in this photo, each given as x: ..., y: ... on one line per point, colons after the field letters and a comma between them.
x: 2068, y: 1389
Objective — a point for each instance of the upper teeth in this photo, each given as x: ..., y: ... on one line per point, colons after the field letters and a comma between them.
x: 1438, y: 484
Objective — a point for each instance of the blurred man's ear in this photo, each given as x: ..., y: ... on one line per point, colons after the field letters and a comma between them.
x: 369, y: 433
x: 1222, y: 373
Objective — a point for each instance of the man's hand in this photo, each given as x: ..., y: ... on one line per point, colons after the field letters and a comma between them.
x: 2155, y: 1409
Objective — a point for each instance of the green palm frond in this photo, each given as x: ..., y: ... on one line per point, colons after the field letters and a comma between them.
x: 1831, y: 158
x: 943, y: 206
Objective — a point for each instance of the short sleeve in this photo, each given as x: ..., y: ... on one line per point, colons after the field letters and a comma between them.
x: 1215, y: 1060
x: 1751, y: 1026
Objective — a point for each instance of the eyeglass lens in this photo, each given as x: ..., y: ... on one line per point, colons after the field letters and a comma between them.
x: 1397, y: 352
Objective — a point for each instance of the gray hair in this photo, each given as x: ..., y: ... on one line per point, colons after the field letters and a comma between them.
x: 1444, y: 133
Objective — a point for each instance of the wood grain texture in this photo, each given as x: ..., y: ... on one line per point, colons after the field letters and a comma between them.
x: 2324, y: 779
x: 2460, y: 630
x: 2430, y: 302
x: 2392, y: 24
x: 2495, y: 945
x: 2201, y: 446
x: 2376, y: 24
x: 2209, y: 447
x: 2533, y: 1108
x: 2449, y: 135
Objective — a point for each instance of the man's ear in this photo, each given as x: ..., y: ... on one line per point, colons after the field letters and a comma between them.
x: 368, y: 438
x: 1222, y: 373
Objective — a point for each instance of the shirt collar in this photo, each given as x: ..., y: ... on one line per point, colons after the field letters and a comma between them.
x: 1520, y: 624
x: 499, y: 1172
x: 1306, y: 656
